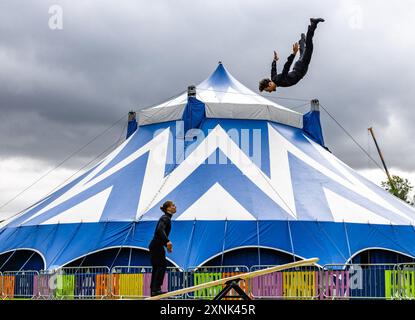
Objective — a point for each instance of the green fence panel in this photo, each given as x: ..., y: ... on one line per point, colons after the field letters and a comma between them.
x: 204, y: 277
x: 65, y: 286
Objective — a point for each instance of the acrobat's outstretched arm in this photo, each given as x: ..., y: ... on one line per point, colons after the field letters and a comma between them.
x: 290, y: 59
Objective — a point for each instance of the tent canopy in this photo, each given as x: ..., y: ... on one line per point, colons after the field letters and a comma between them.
x: 226, y: 98
x: 237, y: 183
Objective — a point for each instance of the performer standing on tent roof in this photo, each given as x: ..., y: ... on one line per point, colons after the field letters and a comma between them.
x: 157, y: 253
x: 289, y: 78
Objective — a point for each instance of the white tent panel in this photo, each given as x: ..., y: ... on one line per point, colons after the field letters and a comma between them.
x: 226, y: 98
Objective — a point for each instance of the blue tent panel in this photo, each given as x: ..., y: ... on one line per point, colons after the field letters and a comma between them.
x: 132, y: 127
x: 312, y: 126
x: 193, y: 114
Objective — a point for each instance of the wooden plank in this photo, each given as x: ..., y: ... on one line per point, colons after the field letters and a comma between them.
x: 247, y: 275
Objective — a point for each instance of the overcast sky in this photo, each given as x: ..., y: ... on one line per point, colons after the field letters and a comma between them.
x: 59, y: 88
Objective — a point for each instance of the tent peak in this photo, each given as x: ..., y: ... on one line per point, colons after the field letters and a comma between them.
x: 225, y: 97
x: 220, y: 78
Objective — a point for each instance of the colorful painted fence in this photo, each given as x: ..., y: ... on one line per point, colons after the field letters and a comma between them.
x: 267, y: 286
x: 18, y: 284
x: 134, y: 282
x: 400, y: 282
x: 298, y: 283
x: 362, y: 281
x: 196, y: 276
x: 80, y: 283
x: 334, y: 284
x: 352, y: 281
x: 45, y: 285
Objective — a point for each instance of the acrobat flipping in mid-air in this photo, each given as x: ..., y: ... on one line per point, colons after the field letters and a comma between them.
x: 289, y: 78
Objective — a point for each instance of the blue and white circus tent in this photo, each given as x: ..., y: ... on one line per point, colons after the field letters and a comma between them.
x: 252, y: 181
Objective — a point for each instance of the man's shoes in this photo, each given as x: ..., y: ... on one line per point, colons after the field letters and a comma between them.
x: 156, y: 293
x: 316, y: 20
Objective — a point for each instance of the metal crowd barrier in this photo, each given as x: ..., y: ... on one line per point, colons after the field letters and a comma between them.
x: 46, y: 285
x: 401, y: 282
x: 357, y: 281
x: 134, y: 281
x: 1, y: 285
x: 294, y: 283
x: 199, y: 275
x: 80, y: 283
x: 334, y: 281
x: 19, y: 284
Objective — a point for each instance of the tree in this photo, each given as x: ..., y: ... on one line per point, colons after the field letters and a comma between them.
x: 400, y: 188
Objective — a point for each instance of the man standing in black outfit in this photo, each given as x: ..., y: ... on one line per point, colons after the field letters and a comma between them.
x: 157, y: 253
x: 289, y: 78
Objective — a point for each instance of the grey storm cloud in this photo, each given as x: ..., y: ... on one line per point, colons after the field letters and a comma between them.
x: 60, y: 88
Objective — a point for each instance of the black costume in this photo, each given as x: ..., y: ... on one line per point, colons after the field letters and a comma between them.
x: 157, y: 253
x: 289, y: 78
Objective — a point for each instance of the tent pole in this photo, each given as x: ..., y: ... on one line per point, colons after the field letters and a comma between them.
x: 21, y: 268
x: 190, y: 243
x: 122, y: 245
x: 8, y: 259
x: 291, y: 240
x: 224, y: 241
x: 347, y: 239
x: 129, y: 259
x: 259, y: 248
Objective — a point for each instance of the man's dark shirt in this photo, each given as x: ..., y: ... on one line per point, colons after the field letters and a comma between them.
x: 287, y: 78
x: 161, y: 235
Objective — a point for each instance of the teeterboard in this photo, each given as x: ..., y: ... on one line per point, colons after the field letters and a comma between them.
x: 247, y: 275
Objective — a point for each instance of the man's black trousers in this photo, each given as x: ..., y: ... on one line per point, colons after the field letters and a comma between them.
x: 301, y: 66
